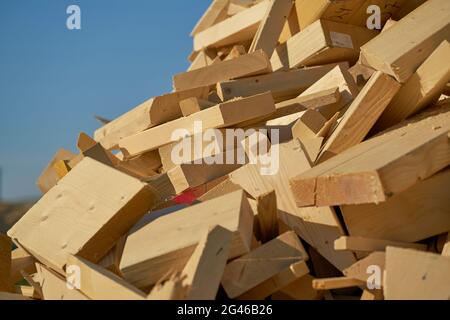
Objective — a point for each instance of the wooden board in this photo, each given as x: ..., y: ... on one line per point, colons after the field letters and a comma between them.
x: 337, y: 77
x: 317, y: 226
x: 194, y: 105
x: 362, y: 270
x: 252, y: 64
x: 320, y: 43
x: 94, y: 204
x: 416, y: 275
x: 379, y: 168
x: 49, y: 177
x: 205, y: 267
x: 21, y: 261
x: 263, y: 263
x: 362, y: 244
x: 223, y: 115
x: 301, y: 289
x: 421, y: 90
x: 361, y: 115
x: 151, y: 249
x: 283, y: 85
x: 152, y: 112
x: 336, y: 283
x: 54, y: 287
x: 399, y: 55
x: 416, y: 214
x: 269, y: 30
x: 236, y: 29
x: 347, y: 11
x: 216, y: 11
x: 100, y: 284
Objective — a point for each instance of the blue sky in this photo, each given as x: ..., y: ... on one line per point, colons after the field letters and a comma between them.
x: 54, y: 80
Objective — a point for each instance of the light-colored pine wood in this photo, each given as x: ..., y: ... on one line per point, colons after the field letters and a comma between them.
x: 283, y: 85
x: 270, y: 27
x: 361, y: 115
x: 94, y: 204
x: 100, y: 284
x: 360, y: 244
x: 251, y: 64
x: 238, y: 28
x: 372, y: 295
x: 294, y: 272
x: 152, y: 112
x: 267, y: 216
x: 422, y: 89
x: 263, y: 263
x: 194, y: 105
x: 49, y: 176
x: 21, y: 261
x: 205, y: 267
x: 416, y: 275
x: 336, y: 283
x: 348, y: 11
x: 170, y: 289
x: 301, y: 289
x: 308, y: 125
x: 416, y: 214
x: 215, y: 12
x: 54, y: 287
x: 317, y: 226
x: 320, y: 43
x: 377, y: 169
x: 223, y: 115
x: 362, y: 269
x: 338, y: 77
x: 167, y: 243
x: 5, y: 263
x: 398, y: 55
x: 12, y: 296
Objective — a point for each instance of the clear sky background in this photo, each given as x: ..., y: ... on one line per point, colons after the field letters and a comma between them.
x: 54, y: 80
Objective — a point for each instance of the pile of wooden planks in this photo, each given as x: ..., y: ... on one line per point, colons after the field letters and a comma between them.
x: 302, y: 156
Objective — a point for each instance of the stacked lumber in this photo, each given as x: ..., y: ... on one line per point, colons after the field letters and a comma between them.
x: 333, y: 182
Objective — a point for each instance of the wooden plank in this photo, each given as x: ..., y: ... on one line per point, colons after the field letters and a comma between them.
x: 267, y: 216
x: 5, y: 263
x: 167, y: 242
x: 362, y: 270
x: 336, y: 283
x: 194, y: 105
x: 251, y: 64
x: 215, y: 12
x: 205, y: 267
x: 361, y: 244
x: 379, y: 168
x: 12, y: 296
x: 49, y: 177
x: 291, y: 27
x: 416, y: 214
x: 169, y: 289
x: 361, y: 115
x: 263, y: 263
x: 260, y: 292
x: 21, y: 261
x: 416, y: 275
x: 399, y: 55
x: 301, y: 289
x: 100, y: 284
x: 308, y: 125
x: 421, y: 90
x: 269, y: 30
x: 223, y: 115
x: 142, y: 166
x: 320, y: 43
x: 238, y: 28
x: 94, y: 204
x: 283, y: 85
x: 317, y: 226
x: 152, y: 112
x: 54, y: 287
x: 337, y: 77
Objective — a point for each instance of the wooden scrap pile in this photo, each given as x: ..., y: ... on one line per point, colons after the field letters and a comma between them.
x: 359, y: 205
